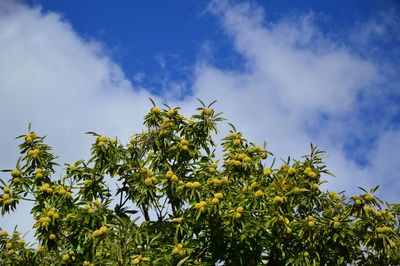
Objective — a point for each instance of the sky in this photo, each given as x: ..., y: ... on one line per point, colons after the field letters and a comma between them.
x: 288, y: 72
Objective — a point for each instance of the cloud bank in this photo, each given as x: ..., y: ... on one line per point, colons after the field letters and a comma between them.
x: 296, y: 86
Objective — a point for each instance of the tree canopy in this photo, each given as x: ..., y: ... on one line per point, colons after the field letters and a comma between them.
x: 178, y: 203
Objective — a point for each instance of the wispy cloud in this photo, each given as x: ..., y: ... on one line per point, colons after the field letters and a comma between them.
x: 301, y: 86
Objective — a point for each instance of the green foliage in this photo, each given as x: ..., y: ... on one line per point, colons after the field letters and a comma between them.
x: 179, y: 205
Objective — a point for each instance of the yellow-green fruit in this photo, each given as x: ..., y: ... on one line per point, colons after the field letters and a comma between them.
x: 155, y: 110
x: 103, y: 138
x: 314, y: 186
x: 200, y: 205
x: 219, y: 195
x: 312, y: 174
x: 16, y: 180
x: 247, y: 159
x: 310, y: 223
x: 237, y: 215
x: 237, y: 163
x: 177, y: 220
x: 6, y: 196
x: 8, y: 202
x: 175, y: 251
x: 132, y: 141
x: 214, y: 165
x: 135, y: 261
x: 225, y: 180
x: 355, y: 197
x: 254, y: 185
x: 9, y: 245
x: 234, y: 135
x: 44, y: 224
x: 28, y: 139
x: 257, y: 148
x: 149, y: 172
x: 101, y: 143
x: 33, y: 135
x: 39, y: 176
x: 336, y: 224
x: 196, y: 184
x: 305, y: 254
x: 86, y: 262
x: 214, y: 200
x: 237, y: 142
x: 6, y: 189
x: 174, y: 178
x: 169, y: 174
x: 333, y: 195
x: 368, y: 197
x: 65, y: 257
x: 278, y: 200
x: 104, y: 229
x: 263, y: 155
x: 15, y: 173
x: 207, y: 112
x: 367, y: 209
x: 96, y: 233
x: 72, y: 167
x: 358, y: 203
x: 184, y: 142
x: 52, y: 236
x: 96, y: 202
x: 148, y: 181
x: 171, y: 112
x: 268, y: 171
x: 291, y: 171
x: 288, y: 230
x: 189, y: 185
x: 184, y: 147
x: 259, y: 193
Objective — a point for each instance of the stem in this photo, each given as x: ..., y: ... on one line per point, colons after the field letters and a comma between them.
x: 145, y: 212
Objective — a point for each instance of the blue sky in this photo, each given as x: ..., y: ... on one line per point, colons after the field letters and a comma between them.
x: 139, y: 33
x: 164, y: 40
x: 289, y: 72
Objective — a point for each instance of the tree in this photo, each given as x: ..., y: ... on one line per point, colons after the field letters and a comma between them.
x: 177, y: 204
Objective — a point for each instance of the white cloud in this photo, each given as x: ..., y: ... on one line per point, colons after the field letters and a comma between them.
x: 63, y: 85
x: 66, y: 86
x: 293, y: 75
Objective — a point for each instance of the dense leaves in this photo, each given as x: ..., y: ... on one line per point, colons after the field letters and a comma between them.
x: 177, y: 204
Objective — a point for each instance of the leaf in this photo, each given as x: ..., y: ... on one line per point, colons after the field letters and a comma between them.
x: 374, y: 189
x: 211, y: 103
x: 152, y: 102
x: 182, y: 261
x: 232, y: 126
x: 202, y: 103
